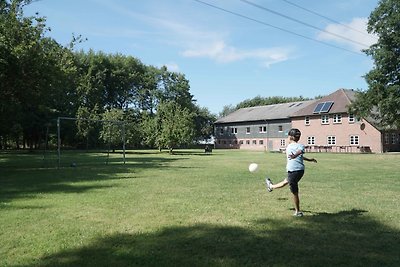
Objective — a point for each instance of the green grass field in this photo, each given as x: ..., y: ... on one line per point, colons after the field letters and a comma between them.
x: 193, y: 209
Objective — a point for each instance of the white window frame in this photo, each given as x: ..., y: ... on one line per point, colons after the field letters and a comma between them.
x: 248, y: 131
x: 283, y: 142
x: 331, y: 140
x: 307, y: 120
x: 262, y: 129
x: 354, y: 140
x: 310, y: 140
x: 234, y: 130
x: 351, y: 118
x: 325, y: 119
x: 337, y: 118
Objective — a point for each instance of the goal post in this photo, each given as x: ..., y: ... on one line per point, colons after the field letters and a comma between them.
x: 59, y: 119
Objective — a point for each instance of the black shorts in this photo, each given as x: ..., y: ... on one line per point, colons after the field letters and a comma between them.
x: 293, y: 179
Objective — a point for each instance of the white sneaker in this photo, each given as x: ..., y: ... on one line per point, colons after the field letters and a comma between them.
x: 269, y: 184
x: 298, y: 214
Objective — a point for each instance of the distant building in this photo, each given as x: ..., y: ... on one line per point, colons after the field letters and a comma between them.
x: 325, y: 124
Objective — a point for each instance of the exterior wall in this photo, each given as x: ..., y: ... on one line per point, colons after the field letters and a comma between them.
x: 260, y: 135
x: 369, y: 138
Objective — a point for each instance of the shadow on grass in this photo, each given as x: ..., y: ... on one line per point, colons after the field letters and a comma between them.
x: 346, y: 238
x: 36, y: 159
x: 22, y: 178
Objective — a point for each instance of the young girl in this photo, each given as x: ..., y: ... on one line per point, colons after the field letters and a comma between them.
x: 294, y: 167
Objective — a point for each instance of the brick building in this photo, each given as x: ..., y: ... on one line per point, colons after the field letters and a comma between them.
x: 326, y: 126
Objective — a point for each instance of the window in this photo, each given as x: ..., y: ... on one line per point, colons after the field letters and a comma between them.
x: 307, y: 120
x: 254, y: 142
x: 262, y: 129
x: 311, y: 140
x: 283, y: 142
x: 247, y: 142
x: 323, y: 107
x: 331, y: 140
x: 241, y: 142
x: 337, y: 118
x: 325, y: 119
x: 354, y: 140
x: 261, y: 142
x: 318, y: 107
x: 386, y: 138
x: 247, y: 130
x: 351, y: 118
x: 221, y: 130
x: 234, y: 130
x: 280, y: 127
x: 393, y: 138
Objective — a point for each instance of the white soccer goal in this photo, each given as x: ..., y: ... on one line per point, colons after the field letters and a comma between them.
x: 113, y: 122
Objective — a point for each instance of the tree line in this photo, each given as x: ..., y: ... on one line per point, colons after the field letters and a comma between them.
x: 261, y: 101
x: 42, y: 80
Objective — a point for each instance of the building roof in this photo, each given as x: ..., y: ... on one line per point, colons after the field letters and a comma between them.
x: 340, y: 99
x: 269, y: 112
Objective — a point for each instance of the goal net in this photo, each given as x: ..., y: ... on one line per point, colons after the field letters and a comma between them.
x: 89, y: 141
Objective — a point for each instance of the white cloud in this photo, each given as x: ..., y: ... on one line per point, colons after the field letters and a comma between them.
x: 356, y: 30
x: 198, y: 43
x: 222, y: 53
x: 171, y: 66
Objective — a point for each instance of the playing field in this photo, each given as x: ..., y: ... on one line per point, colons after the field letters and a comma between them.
x: 196, y: 209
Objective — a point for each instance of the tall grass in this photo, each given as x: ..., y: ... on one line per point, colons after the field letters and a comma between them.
x: 196, y: 209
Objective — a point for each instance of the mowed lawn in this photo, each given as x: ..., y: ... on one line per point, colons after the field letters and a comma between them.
x: 196, y: 209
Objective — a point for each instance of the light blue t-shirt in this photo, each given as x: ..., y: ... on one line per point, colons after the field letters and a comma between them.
x: 296, y: 164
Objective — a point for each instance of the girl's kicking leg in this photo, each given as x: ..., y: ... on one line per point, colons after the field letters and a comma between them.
x: 271, y: 186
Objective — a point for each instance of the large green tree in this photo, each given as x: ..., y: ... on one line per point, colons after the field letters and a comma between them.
x: 33, y: 72
x: 113, y: 130
x: 171, y: 127
x: 204, y: 123
x: 174, y: 87
x: 382, y: 99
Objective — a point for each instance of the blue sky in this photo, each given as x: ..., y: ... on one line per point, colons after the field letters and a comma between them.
x: 228, y: 58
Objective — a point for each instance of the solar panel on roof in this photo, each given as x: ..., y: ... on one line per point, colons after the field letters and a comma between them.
x: 323, y: 107
x: 326, y: 107
x: 318, y: 108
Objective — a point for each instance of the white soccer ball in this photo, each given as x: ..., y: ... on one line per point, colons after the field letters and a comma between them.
x: 253, y: 167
